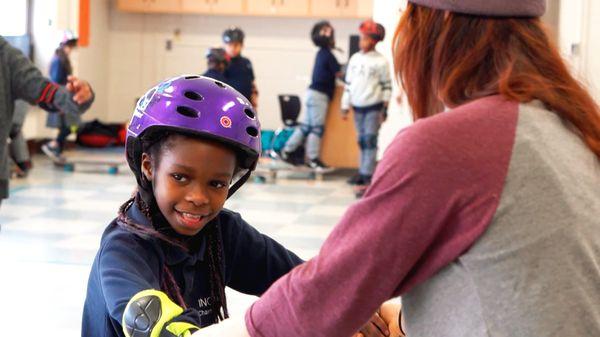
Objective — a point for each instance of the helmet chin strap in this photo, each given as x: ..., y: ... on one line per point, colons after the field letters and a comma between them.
x: 236, y: 186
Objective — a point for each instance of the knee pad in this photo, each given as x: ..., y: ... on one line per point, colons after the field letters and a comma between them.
x: 318, y: 130
x: 14, y: 131
x: 305, y: 128
x: 148, y: 314
x: 370, y: 142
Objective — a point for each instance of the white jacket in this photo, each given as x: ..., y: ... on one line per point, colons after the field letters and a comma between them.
x: 367, y: 80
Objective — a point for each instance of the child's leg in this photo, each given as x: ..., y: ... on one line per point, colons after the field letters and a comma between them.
x: 371, y: 130
x: 316, y: 106
x: 63, y: 133
x: 297, y: 138
x: 359, y: 123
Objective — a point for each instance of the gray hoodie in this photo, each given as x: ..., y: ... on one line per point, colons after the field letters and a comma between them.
x: 19, y: 78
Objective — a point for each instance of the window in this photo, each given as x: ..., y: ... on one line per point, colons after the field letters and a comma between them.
x: 13, y: 17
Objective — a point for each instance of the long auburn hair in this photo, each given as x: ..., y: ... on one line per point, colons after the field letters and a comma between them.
x: 444, y: 58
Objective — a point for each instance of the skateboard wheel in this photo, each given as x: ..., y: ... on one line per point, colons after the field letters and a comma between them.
x: 260, y: 179
x: 113, y: 170
x: 69, y: 168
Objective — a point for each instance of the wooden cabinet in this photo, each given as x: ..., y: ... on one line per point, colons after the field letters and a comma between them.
x: 195, y: 6
x: 231, y: 7
x: 342, y: 8
x: 285, y: 8
x: 278, y: 7
x: 150, y: 6
x: 339, y: 147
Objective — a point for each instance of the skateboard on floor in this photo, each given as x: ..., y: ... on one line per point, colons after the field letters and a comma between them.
x: 111, y: 166
x: 268, y: 168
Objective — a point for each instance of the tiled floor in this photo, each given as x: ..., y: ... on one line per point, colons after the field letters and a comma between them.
x: 52, y: 223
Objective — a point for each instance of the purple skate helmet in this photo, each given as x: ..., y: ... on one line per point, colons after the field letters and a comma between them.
x: 200, y: 107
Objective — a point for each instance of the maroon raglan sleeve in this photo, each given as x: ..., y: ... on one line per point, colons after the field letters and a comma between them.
x: 434, y: 193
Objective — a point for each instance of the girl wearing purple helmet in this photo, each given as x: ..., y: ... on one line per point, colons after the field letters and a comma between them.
x: 163, y: 264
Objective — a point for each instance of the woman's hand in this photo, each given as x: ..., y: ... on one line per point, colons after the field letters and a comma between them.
x: 390, y: 312
x: 376, y: 327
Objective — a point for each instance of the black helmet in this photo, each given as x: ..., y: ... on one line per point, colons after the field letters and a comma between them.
x: 321, y: 36
x: 233, y: 34
x: 217, y: 55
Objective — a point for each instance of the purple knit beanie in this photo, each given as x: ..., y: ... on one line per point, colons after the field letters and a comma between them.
x: 507, y: 8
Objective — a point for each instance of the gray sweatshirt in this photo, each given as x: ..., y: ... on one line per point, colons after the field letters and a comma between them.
x: 19, y: 78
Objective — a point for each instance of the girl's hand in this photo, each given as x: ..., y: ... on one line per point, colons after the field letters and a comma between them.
x: 376, y: 327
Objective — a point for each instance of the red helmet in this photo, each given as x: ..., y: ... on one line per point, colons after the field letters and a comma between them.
x: 373, y: 29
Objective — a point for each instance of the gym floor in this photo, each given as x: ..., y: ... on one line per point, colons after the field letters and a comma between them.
x: 53, y: 221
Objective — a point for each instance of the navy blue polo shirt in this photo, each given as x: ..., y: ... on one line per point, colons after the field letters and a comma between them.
x: 212, y: 73
x: 240, y: 75
x: 127, y: 264
x: 324, y: 72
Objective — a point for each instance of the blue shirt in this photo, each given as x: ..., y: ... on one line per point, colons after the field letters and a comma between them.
x: 58, y: 71
x: 240, y: 75
x: 212, y: 73
x: 324, y: 72
x: 127, y: 264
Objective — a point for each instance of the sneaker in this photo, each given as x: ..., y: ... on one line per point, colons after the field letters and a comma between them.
x: 317, y: 164
x: 356, y: 179
x: 53, y: 152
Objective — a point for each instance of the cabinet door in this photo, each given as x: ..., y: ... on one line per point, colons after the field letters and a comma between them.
x: 292, y: 7
x: 326, y: 8
x: 195, y: 6
x: 365, y: 9
x: 349, y: 8
x: 164, y: 6
x: 262, y: 7
x: 235, y: 7
x: 133, y: 5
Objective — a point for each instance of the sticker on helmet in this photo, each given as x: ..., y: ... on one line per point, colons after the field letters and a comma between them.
x: 226, y: 122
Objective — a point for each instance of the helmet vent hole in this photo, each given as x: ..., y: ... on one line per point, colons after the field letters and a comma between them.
x: 249, y: 113
x: 191, y: 77
x: 194, y: 96
x: 187, y: 111
x: 252, y: 131
x: 220, y: 84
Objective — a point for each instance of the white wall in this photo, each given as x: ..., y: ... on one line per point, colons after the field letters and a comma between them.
x: 279, y: 48
x: 50, y: 19
x: 387, y: 12
x: 590, y: 48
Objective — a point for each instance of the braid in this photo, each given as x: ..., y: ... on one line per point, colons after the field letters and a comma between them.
x: 217, y: 288
x: 167, y: 282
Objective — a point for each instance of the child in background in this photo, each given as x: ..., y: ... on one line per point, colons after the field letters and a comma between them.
x: 60, y: 70
x: 239, y: 73
x: 217, y: 61
x: 164, y: 263
x: 318, y: 96
x: 367, y: 91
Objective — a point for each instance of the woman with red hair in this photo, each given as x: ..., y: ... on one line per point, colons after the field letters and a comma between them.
x: 485, y: 214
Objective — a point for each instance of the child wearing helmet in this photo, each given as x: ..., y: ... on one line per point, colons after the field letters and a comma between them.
x: 164, y: 262
x: 367, y: 91
x: 217, y: 61
x: 318, y: 96
x: 239, y: 72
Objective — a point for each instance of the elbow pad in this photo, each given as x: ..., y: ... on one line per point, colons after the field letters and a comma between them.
x: 149, y: 314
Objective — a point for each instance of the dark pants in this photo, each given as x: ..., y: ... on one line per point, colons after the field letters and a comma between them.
x: 63, y: 132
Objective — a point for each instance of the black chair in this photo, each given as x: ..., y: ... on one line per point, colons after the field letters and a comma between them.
x: 290, y: 107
